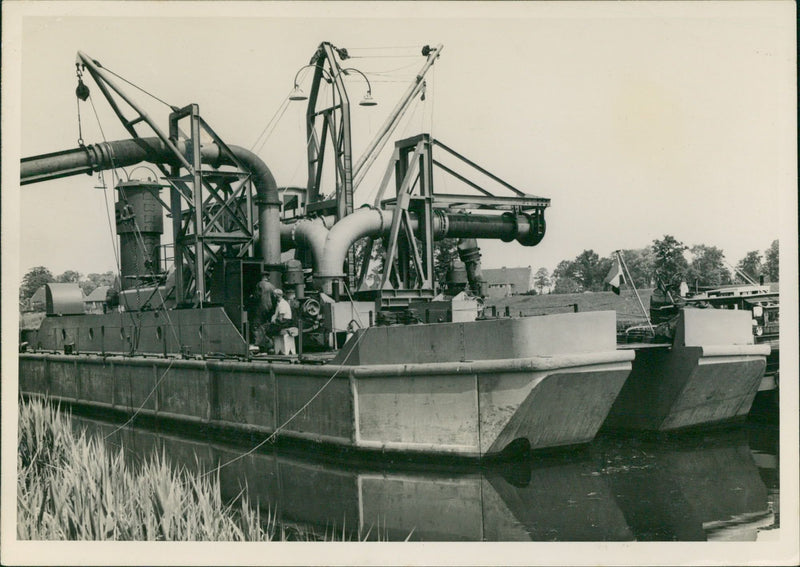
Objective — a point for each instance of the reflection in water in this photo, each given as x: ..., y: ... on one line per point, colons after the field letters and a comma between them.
x: 615, y: 490
x: 695, y: 490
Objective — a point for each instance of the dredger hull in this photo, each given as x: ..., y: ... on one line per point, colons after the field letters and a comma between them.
x: 465, y: 389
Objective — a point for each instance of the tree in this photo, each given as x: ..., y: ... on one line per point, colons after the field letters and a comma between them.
x: 33, y: 280
x: 566, y: 284
x: 70, y: 276
x: 444, y: 252
x: 601, y: 271
x: 750, y: 265
x: 669, y: 263
x: 586, y: 268
x: 708, y: 267
x: 375, y: 265
x: 541, y: 279
x: 564, y: 277
x: 771, y: 271
x: 590, y: 270
x: 564, y: 269
x: 640, y: 265
x: 94, y: 280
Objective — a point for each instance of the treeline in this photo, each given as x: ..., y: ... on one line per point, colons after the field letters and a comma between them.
x: 38, y: 276
x: 664, y: 260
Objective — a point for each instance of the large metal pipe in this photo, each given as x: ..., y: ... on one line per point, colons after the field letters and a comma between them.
x: 366, y: 221
x: 309, y: 233
x: 122, y: 153
x: 373, y: 222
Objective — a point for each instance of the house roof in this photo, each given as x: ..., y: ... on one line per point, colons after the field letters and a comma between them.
x: 519, y: 278
x: 99, y: 294
x: 39, y: 295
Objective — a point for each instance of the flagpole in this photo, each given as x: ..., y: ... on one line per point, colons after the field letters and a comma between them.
x: 633, y: 285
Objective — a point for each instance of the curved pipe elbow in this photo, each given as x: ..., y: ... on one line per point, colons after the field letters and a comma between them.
x: 366, y: 221
x: 309, y: 233
x: 267, y: 200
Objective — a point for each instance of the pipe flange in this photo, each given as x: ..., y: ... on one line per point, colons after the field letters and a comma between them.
x: 536, y: 229
x: 515, y: 221
x: 383, y: 220
x: 444, y: 224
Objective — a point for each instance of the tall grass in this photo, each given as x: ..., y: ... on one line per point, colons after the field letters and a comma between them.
x: 72, y: 487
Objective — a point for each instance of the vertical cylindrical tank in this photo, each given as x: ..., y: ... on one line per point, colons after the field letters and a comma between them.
x: 140, y: 225
x: 293, y: 277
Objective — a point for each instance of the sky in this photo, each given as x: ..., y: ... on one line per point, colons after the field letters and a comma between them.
x: 636, y: 121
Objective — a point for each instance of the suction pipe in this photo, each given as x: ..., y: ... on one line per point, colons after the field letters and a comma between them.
x: 122, y: 153
x: 374, y: 222
x: 310, y: 233
x: 329, y: 247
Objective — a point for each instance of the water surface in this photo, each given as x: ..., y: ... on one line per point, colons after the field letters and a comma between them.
x: 719, y: 485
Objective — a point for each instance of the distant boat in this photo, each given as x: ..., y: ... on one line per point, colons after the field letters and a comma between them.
x: 764, y: 304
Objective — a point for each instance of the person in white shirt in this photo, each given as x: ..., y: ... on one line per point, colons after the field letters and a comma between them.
x: 283, y: 311
x: 281, y: 326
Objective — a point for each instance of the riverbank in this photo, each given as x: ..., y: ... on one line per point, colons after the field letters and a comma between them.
x: 626, y: 305
x: 72, y: 487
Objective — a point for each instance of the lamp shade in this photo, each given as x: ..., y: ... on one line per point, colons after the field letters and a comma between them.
x: 298, y: 94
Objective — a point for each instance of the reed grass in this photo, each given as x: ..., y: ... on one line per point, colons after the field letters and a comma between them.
x: 71, y: 487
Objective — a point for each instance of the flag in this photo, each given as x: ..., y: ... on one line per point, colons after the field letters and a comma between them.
x: 615, y: 277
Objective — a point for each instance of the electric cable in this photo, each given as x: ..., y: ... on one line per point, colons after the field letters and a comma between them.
x: 376, y: 48
x: 285, y: 106
x: 277, y: 111
x: 382, y: 56
x: 136, y: 324
x: 171, y: 106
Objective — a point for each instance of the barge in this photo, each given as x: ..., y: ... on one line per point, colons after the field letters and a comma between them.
x: 708, y: 375
x: 407, y: 363
x: 476, y: 388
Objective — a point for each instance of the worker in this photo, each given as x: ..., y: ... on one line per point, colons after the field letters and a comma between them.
x: 294, y: 303
x: 261, y: 311
x: 266, y: 291
x: 282, y: 329
x: 283, y: 311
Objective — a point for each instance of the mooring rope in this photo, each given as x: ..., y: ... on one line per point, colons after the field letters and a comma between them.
x: 140, y: 242
x: 291, y: 418
x: 139, y: 409
x: 137, y: 232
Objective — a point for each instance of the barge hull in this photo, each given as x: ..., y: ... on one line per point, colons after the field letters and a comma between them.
x: 709, y: 375
x: 467, y: 408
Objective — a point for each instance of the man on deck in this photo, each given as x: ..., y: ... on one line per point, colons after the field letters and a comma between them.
x: 283, y: 311
x: 281, y: 327
x: 264, y: 299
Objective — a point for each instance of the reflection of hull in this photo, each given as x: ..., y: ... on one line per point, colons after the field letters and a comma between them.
x: 473, y: 390
x: 684, y: 490
x: 696, y: 493
x: 709, y: 375
x: 562, y: 501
